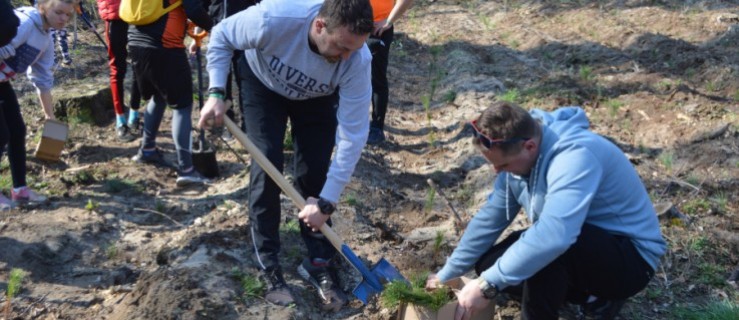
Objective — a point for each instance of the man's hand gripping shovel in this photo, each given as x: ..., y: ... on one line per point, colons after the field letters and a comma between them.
x: 372, y: 278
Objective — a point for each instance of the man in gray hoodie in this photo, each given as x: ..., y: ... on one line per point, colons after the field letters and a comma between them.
x: 594, y: 238
x: 305, y: 61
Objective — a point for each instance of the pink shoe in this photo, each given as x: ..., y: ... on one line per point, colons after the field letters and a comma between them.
x: 5, y: 203
x: 26, y: 195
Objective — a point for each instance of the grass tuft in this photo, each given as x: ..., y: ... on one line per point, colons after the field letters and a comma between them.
x: 716, y: 310
x: 252, y: 286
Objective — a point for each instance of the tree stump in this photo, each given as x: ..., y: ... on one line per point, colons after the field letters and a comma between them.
x: 85, y: 103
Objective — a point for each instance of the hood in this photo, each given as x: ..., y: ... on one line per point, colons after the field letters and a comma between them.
x: 25, y: 13
x: 563, y: 120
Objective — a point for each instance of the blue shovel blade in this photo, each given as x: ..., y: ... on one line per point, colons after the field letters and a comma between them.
x: 382, y: 271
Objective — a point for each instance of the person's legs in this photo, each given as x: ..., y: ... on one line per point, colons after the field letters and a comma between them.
x: 64, y: 45
x: 380, y: 48
x: 265, y: 118
x: 116, y: 33
x: 578, y: 272
x: 14, y: 134
x: 7, y: 96
x: 313, y: 132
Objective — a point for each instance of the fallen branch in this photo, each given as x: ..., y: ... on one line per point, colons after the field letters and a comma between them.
x: 160, y: 214
x: 458, y: 220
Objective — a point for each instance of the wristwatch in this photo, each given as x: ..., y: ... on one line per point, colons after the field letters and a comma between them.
x: 326, y: 206
x: 488, y: 290
x: 217, y: 90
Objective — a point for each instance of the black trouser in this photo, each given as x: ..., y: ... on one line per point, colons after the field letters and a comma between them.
x: 598, y: 264
x: 380, y: 48
x: 13, y: 133
x: 229, y: 90
x: 116, y: 32
x: 313, y: 126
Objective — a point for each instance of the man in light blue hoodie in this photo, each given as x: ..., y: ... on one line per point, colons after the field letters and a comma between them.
x: 594, y: 238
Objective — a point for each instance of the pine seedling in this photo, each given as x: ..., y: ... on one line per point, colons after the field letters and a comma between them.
x: 14, y: 286
x: 398, y: 292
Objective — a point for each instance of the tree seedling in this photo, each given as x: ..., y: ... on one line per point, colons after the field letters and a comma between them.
x: 14, y: 286
x: 398, y: 292
x: 91, y: 205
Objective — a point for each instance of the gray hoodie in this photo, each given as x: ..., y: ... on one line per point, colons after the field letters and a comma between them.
x: 274, y: 35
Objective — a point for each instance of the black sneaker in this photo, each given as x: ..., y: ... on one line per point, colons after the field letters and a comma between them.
x: 191, y: 178
x: 376, y: 136
x: 601, y: 309
x: 124, y: 134
x: 135, y: 124
x: 277, y: 290
x: 154, y: 157
x: 319, y: 274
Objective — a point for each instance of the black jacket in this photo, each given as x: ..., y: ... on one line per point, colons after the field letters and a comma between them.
x: 222, y: 9
x: 8, y: 23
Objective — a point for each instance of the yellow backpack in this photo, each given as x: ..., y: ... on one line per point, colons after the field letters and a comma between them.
x: 143, y: 12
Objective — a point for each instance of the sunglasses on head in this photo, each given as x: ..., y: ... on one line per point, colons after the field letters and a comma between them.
x: 487, y: 142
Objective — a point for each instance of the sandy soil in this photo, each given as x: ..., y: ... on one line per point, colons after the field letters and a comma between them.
x: 118, y: 240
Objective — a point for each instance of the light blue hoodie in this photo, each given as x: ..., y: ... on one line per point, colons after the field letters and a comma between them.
x: 32, y: 47
x: 580, y: 177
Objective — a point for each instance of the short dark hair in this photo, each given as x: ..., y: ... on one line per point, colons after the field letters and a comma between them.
x: 506, y: 120
x: 355, y: 14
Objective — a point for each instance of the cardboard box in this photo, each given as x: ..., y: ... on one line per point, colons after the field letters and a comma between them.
x: 414, y: 312
x: 52, y: 140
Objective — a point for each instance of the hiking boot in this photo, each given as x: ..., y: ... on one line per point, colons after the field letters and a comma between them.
x: 26, y: 195
x: 376, y: 135
x: 5, y: 203
x: 124, y: 134
x: 154, y: 157
x: 191, y: 178
x: 318, y: 274
x: 277, y: 290
x: 601, y: 309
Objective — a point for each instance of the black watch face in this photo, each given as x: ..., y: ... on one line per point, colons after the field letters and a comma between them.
x: 325, y: 206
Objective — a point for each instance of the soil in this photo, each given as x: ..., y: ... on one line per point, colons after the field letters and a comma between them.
x: 118, y: 240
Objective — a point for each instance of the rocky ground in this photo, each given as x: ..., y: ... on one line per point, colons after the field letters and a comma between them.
x: 118, y: 240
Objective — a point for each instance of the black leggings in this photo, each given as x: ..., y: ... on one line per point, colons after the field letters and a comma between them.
x: 380, y: 48
x: 598, y: 263
x: 13, y: 134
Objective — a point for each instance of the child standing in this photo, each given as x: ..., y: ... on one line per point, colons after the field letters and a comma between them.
x: 32, y: 49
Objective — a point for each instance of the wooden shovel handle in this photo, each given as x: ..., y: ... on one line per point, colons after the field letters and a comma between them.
x: 286, y: 187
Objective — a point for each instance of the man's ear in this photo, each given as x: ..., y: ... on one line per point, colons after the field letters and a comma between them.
x: 531, y: 145
x: 320, y: 24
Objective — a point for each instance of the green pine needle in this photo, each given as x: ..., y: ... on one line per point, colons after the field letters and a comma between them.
x: 14, y: 283
x: 398, y: 292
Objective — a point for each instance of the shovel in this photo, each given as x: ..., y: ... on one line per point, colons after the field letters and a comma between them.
x: 372, y: 279
x: 204, y: 156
